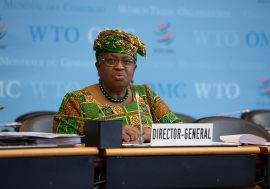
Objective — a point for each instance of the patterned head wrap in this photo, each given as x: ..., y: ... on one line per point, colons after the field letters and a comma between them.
x: 118, y: 41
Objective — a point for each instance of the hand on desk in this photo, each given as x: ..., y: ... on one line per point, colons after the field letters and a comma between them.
x: 131, y: 134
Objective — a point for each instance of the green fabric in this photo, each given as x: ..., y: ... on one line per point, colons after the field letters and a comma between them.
x: 80, y: 105
x: 118, y: 41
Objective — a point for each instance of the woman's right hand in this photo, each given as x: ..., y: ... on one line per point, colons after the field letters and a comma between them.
x: 130, y: 134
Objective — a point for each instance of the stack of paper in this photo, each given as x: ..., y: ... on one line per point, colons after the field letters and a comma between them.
x: 39, y: 138
x: 244, y: 139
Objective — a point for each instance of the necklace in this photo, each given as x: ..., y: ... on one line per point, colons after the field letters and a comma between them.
x: 111, y: 98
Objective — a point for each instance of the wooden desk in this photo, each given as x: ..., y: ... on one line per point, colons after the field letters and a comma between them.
x: 47, y: 168
x: 182, y: 151
x: 181, y: 167
x: 46, y: 152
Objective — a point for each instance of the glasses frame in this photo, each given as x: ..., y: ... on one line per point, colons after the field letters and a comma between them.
x: 117, y: 62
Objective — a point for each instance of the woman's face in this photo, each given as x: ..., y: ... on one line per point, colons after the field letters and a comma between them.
x: 117, y: 77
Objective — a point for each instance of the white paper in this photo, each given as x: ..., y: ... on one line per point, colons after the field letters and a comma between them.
x: 37, y: 134
x: 244, y: 139
x: 43, y: 138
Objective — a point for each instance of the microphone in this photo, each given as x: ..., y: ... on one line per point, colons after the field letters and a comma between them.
x: 137, y: 96
x: 236, y: 112
x: 1, y: 107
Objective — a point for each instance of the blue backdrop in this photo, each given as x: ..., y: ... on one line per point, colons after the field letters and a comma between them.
x: 203, y: 57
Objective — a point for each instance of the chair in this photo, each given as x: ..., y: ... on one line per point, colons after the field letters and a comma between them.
x: 38, y: 123
x: 233, y: 126
x: 21, y: 118
x: 185, y: 118
x: 260, y: 117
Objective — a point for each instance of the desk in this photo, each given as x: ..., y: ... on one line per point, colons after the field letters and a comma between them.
x: 47, y: 168
x: 267, y: 156
x: 181, y: 167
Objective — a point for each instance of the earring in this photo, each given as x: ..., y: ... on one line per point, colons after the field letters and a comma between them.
x: 132, y: 81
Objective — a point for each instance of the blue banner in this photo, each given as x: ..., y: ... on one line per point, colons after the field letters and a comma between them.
x: 203, y: 57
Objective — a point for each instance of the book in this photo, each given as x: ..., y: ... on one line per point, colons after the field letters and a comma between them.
x: 244, y: 139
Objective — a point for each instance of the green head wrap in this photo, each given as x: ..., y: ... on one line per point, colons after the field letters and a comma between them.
x: 118, y: 41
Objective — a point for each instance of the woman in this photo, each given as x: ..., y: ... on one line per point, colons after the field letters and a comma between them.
x: 113, y: 98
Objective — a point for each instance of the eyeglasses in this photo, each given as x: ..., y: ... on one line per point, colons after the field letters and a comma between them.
x: 114, y: 62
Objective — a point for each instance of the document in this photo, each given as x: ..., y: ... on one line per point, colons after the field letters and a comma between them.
x: 244, y: 139
x: 136, y: 145
x: 39, y: 138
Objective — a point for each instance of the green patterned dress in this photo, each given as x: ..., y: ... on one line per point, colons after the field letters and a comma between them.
x: 80, y: 105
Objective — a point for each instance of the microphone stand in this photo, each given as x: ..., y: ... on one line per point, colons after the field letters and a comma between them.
x: 141, y: 132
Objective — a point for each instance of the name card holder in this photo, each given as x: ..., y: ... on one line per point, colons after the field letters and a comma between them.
x: 103, y: 134
x: 185, y: 134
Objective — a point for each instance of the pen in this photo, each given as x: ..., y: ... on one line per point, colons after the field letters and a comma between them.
x: 141, y: 134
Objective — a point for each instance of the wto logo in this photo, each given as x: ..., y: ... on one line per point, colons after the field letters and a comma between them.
x: 2, y: 31
x: 165, y: 34
x: 265, y: 86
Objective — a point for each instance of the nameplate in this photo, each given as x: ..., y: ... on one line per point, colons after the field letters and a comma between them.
x: 184, y: 134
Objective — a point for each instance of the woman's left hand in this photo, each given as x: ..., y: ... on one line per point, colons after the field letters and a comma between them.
x: 147, y: 134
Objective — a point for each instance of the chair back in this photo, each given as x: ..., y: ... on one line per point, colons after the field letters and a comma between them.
x: 25, y: 116
x: 260, y: 117
x: 233, y: 126
x: 185, y: 118
x: 39, y: 123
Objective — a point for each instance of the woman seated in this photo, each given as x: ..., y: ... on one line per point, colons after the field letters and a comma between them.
x: 113, y: 98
